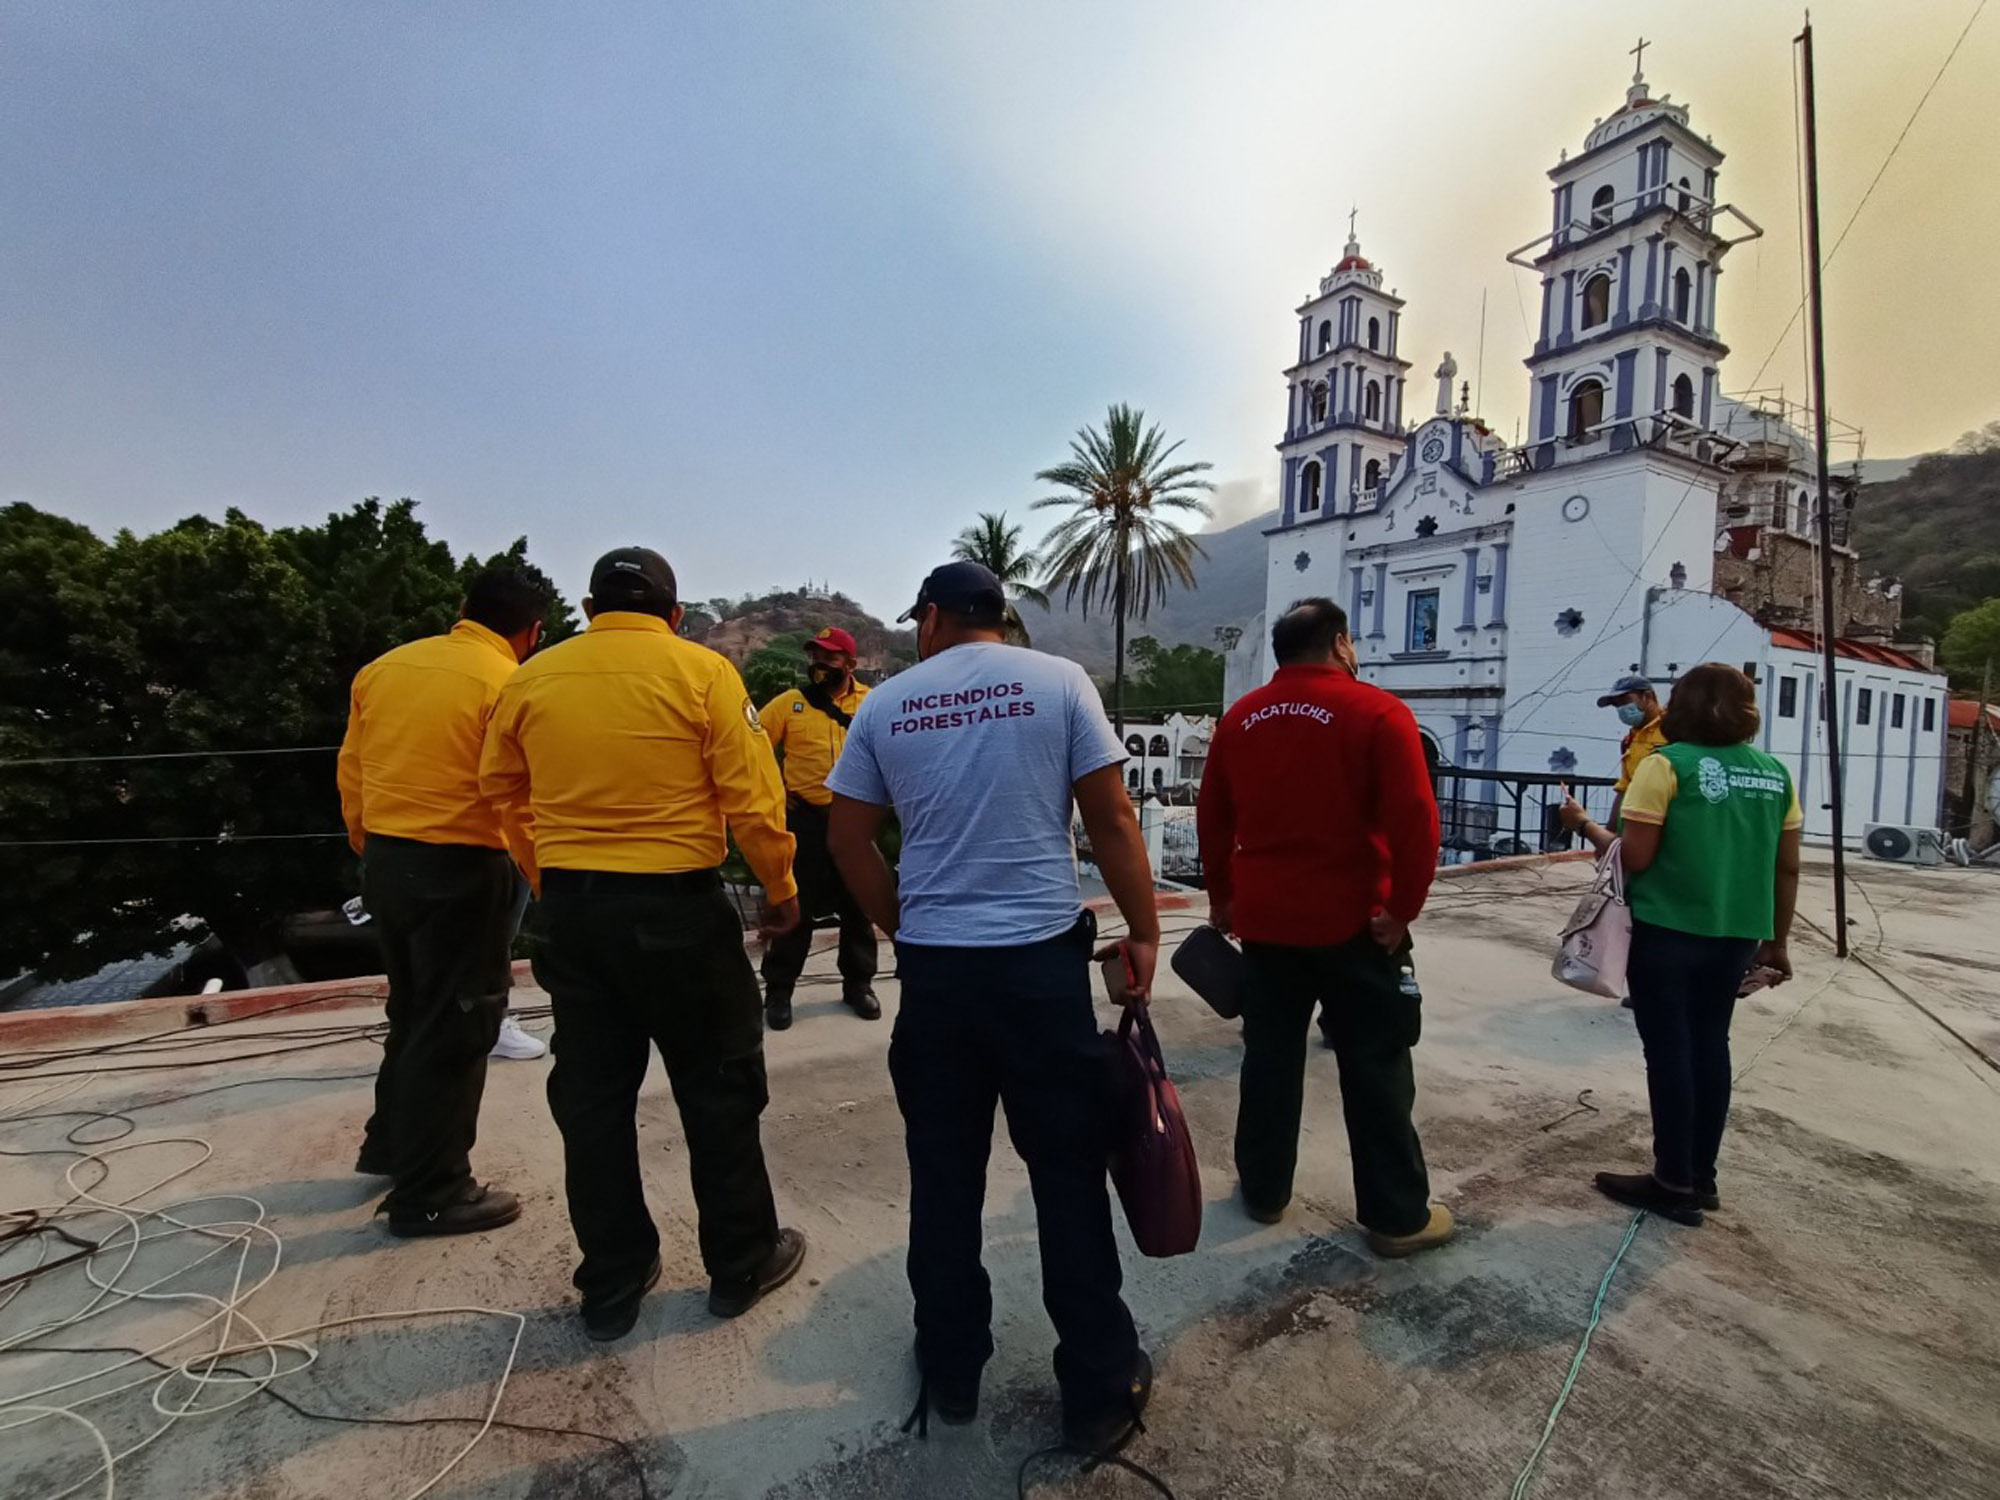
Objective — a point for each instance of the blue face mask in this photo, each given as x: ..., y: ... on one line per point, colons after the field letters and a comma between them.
x: 1631, y: 715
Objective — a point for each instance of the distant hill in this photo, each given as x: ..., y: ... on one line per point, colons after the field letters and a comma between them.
x: 1937, y: 528
x: 739, y: 627
x: 1230, y: 592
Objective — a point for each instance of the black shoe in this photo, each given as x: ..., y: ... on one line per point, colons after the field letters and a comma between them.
x: 1710, y: 1199
x: 778, y: 1008
x: 1116, y: 1426
x: 1644, y: 1190
x: 1265, y: 1215
x: 612, y: 1317
x: 478, y: 1208
x: 864, y: 1004
x: 779, y: 1267
x: 955, y: 1407
x: 373, y: 1162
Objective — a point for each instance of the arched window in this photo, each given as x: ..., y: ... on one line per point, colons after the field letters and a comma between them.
x: 1159, y: 746
x: 1374, y: 333
x: 1309, y: 488
x: 1325, y: 336
x: 1318, y: 403
x: 1804, y: 514
x: 1683, y: 295
x: 1132, y: 779
x: 1600, y: 206
x: 1686, y: 196
x: 1371, y: 403
x: 1586, y: 410
x: 1683, y: 396
x: 1371, y: 474
x: 1597, y: 300
x: 1135, y: 745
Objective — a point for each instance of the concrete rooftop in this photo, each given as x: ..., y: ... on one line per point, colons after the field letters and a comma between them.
x: 1832, y: 1332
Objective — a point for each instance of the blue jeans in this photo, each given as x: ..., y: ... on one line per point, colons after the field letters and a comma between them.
x: 1683, y: 995
x: 1012, y: 1026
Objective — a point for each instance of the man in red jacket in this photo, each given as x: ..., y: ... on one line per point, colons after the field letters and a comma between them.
x: 1319, y: 837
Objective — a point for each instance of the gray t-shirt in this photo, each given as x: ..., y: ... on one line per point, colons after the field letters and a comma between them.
x: 977, y: 750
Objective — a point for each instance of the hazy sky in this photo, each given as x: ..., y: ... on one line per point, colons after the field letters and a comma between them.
x: 792, y: 290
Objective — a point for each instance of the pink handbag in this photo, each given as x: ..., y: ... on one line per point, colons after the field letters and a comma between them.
x: 1152, y: 1159
x: 1597, y: 938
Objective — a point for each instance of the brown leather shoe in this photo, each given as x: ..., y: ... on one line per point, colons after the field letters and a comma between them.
x: 1437, y: 1231
x: 780, y: 1266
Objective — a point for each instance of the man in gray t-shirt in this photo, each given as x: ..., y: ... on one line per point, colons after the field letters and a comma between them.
x: 983, y: 750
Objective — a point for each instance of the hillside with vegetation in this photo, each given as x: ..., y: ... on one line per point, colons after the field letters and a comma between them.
x: 1938, y: 530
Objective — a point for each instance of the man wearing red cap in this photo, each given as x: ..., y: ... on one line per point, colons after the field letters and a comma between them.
x: 809, y: 728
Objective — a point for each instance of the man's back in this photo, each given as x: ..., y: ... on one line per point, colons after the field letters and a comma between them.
x: 633, y: 747
x: 978, y: 749
x: 409, y: 764
x: 1316, y: 809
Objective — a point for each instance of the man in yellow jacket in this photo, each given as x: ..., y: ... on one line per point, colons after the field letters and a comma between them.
x: 809, y: 727
x: 438, y: 881
x: 636, y: 752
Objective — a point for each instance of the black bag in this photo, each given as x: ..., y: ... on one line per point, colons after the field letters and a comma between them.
x: 1212, y: 966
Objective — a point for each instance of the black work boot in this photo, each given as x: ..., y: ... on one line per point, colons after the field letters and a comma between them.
x: 732, y: 1300
x: 864, y: 1004
x: 778, y: 1007
x: 477, y: 1208
x: 1099, y: 1434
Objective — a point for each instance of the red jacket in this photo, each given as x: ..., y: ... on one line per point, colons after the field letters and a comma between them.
x: 1317, y: 810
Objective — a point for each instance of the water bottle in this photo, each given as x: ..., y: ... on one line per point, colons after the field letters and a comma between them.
x: 1406, y: 981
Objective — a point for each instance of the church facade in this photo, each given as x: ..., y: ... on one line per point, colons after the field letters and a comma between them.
x: 1500, y: 590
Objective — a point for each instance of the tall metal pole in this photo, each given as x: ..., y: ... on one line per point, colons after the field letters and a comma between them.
x: 1835, y: 769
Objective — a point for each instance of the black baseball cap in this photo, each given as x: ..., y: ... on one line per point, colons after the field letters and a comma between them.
x: 1625, y: 687
x: 959, y: 588
x: 633, y: 576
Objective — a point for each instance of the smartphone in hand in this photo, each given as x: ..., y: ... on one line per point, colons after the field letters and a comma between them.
x: 1758, y: 978
x: 1118, y: 976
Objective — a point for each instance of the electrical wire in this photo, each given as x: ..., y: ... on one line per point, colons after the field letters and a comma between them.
x: 92, y: 760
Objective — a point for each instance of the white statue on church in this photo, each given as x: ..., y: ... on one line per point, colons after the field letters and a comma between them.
x: 1446, y: 373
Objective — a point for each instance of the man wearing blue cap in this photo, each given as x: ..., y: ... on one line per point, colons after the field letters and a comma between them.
x: 986, y: 751
x: 1639, y: 711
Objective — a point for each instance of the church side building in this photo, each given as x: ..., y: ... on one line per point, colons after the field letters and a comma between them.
x: 1500, y: 590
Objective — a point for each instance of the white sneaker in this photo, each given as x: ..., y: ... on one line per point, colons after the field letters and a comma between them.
x: 515, y: 1044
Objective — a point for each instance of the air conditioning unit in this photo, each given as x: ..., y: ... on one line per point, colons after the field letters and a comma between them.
x: 1903, y: 844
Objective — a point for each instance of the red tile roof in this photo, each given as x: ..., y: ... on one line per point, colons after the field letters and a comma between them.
x: 1964, y: 711
x: 1882, y: 656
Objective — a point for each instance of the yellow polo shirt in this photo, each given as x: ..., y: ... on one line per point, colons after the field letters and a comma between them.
x: 811, y: 740
x: 409, y: 761
x: 1639, y: 744
x: 638, y: 751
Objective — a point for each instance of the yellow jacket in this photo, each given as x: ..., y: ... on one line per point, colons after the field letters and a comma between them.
x: 634, y: 748
x: 1636, y: 746
x: 409, y: 762
x: 811, y: 739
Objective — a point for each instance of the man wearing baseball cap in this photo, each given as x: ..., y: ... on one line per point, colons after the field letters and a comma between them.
x: 986, y: 751
x: 808, y: 727
x: 1639, y: 711
x: 636, y: 750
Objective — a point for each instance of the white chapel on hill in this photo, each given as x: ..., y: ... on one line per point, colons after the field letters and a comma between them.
x: 1501, y: 590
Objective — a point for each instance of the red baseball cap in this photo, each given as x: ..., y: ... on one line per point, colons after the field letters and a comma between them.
x: 833, y: 638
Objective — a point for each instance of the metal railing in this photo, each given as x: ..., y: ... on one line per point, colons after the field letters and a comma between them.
x: 1497, y: 814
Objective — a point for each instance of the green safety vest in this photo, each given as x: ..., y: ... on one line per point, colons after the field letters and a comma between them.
x: 1716, y: 872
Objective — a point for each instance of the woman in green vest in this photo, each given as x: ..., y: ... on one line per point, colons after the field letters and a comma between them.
x: 1710, y: 829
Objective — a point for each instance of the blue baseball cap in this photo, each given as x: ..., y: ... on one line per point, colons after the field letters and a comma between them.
x: 959, y: 588
x: 1624, y: 687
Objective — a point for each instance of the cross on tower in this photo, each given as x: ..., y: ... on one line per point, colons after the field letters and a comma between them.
x: 1639, y: 52
x: 1352, y: 214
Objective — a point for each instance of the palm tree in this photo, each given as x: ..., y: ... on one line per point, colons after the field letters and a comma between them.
x: 997, y: 546
x: 1120, y: 547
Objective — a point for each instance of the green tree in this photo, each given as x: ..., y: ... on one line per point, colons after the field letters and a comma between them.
x: 775, y: 667
x: 1122, y: 545
x: 121, y: 663
x: 1173, y: 679
x: 996, y: 545
x: 1972, y: 644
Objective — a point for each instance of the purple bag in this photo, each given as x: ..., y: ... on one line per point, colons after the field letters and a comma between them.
x: 1152, y: 1155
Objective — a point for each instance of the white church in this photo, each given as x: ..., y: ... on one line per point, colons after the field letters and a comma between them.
x: 1500, y: 590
